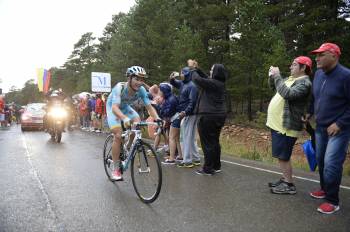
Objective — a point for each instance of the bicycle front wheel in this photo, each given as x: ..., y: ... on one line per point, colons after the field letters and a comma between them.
x: 107, y: 156
x: 146, y: 173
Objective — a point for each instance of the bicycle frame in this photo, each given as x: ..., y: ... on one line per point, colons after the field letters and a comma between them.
x: 137, y: 141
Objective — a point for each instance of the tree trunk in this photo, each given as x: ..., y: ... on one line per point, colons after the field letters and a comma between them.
x: 250, y: 99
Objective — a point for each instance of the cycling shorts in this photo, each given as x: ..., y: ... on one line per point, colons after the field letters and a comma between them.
x: 114, y: 121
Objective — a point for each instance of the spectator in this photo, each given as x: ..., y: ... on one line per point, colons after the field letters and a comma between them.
x: 99, y: 112
x: 212, y: 114
x: 154, y: 95
x: 187, y: 101
x: 284, y: 117
x: 92, y: 106
x: 331, y: 107
x: 84, y: 113
x: 167, y: 109
x: 153, y: 92
x: 2, y: 111
x: 104, y: 114
x: 89, y: 108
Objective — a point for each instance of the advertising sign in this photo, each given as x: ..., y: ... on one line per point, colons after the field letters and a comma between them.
x: 100, y: 82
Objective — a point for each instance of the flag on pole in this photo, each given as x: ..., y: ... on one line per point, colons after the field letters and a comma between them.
x: 44, y: 77
x: 47, y: 78
x: 40, y: 75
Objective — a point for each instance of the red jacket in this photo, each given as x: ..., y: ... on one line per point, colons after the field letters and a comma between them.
x: 99, y: 106
x: 83, y: 109
x: 2, y: 106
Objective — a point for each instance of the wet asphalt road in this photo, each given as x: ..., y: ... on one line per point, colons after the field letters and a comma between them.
x: 62, y: 187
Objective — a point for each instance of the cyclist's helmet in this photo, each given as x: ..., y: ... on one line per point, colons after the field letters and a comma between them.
x: 136, y: 71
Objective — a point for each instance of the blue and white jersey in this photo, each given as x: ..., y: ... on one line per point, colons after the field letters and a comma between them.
x: 119, y: 95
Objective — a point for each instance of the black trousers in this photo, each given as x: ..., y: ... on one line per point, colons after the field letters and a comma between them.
x: 209, y: 128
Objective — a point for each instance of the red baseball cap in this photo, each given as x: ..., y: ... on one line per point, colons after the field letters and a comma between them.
x: 304, y: 60
x: 331, y: 47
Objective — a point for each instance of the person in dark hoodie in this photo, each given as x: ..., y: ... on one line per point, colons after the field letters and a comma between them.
x: 212, y: 114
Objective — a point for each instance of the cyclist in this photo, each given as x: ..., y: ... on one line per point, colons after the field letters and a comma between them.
x: 119, y: 109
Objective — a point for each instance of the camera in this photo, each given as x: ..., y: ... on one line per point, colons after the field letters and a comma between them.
x: 175, y: 75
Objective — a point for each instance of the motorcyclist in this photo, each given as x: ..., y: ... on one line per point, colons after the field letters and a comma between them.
x: 53, y: 97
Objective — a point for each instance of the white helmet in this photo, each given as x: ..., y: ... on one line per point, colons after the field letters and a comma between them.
x: 136, y: 71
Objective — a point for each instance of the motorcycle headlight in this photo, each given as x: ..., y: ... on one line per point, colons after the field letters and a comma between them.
x: 58, y: 112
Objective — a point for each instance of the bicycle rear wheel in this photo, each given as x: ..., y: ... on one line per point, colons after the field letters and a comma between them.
x: 146, y: 173
x: 107, y: 156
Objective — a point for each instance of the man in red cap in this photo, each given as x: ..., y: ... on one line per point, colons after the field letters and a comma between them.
x: 284, y: 117
x: 331, y: 107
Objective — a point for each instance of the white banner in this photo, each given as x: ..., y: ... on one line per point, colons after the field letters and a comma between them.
x: 100, y: 82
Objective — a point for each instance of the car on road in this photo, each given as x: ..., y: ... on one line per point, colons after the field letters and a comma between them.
x: 33, y: 116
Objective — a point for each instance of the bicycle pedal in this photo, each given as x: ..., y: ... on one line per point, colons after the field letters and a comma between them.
x: 148, y: 170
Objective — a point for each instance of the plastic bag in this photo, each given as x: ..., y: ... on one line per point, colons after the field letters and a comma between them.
x: 310, y: 154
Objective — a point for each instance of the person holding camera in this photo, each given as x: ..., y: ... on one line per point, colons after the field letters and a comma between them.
x: 212, y: 114
x: 284, y: 117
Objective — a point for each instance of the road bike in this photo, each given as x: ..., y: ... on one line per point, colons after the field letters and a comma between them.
x: 146, y: 170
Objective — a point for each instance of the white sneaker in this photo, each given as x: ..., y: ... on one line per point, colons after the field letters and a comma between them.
x: 116, y: 175
x: 166, y: 148
x: 97, y: 131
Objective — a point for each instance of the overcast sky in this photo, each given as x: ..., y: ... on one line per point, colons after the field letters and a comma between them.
x: 42, y: 33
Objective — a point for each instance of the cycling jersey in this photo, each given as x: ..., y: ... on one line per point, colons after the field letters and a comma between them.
x: 119, y: 95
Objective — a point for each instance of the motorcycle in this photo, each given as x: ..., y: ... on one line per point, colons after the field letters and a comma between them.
x: 57, y: 116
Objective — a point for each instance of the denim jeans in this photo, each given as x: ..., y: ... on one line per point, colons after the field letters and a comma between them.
x: 331, y: 153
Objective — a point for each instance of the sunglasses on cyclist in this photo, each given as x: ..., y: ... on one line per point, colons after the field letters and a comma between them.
x: 141, y: 79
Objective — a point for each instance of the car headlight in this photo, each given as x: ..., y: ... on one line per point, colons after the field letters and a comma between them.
x: 58, y: 112
x: 25, y: 117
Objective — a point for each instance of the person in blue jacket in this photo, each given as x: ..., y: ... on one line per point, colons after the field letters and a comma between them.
x: 166, y: 109
x: 187, y: 101
x: 331, y: 108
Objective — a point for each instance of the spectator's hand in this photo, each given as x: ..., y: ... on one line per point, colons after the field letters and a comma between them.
x: 306, y: 118
x: 158, y: 99
x: 182, y: 114
x: 274, y: 71
x: 333, y: 129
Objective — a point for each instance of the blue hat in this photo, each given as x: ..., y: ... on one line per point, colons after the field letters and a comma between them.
x: 185, y: 71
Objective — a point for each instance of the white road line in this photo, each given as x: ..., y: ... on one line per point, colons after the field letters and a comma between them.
x: 279, y: 173
x: 52, y: 216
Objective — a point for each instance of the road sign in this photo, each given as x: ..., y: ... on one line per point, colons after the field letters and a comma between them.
x: 100, y: 82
